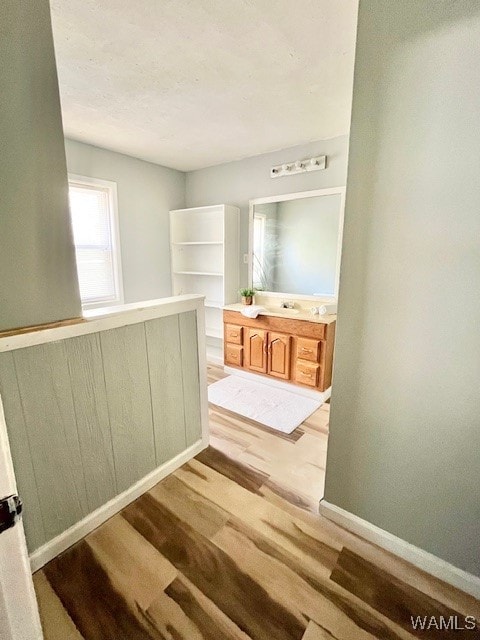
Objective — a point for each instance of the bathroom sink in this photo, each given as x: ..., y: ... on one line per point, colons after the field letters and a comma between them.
x: 281, y: 311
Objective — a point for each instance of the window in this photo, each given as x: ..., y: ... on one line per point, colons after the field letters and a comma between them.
x: 95, y: 234
x: 259, y: 278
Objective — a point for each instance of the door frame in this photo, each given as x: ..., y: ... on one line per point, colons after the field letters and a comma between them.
x: 19, y: 616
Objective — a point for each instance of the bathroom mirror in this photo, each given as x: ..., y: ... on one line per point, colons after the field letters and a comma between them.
x: 295, y: 242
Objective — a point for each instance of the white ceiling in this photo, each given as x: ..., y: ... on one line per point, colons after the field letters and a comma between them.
x: 193, y: 83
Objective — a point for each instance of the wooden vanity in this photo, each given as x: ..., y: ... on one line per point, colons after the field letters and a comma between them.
x: 300, y: 351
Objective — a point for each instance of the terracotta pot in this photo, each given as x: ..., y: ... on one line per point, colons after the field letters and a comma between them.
x: 247, y: 299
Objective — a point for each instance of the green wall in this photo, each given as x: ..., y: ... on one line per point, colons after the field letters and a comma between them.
x: 146, y: 193
x: 38, y: 281
x: 238, y: 182
x: 405, y: 422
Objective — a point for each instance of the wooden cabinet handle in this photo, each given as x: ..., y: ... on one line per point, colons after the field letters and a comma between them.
x: 234, y: 335
x: 305, y: 350
x: 307, y: 375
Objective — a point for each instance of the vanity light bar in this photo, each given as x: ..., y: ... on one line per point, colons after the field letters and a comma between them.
x: 299, y: 166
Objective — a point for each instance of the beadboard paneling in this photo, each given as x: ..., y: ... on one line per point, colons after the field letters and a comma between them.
x: 89, y: 416
x: 47, y: 400
x: 166, y: 381
x: 20, y: 448
x: 127, y: 381
x: 85, y: 366
x: 191, y: 384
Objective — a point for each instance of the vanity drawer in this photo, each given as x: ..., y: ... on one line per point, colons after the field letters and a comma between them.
x: 308, y: 349
x: 307, y: 373
x: 234, y: 354
x: 233, y: 334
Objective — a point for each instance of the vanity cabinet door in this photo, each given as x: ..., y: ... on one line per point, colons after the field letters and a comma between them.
x: 279, y: 355
x: 256, y: 348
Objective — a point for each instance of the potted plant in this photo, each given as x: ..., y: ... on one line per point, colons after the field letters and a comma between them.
x: 247, y: 295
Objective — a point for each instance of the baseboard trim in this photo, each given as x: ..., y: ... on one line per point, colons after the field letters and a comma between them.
x: 418, y: 557
x: 213, y: 358
x: 60, y: 543
x: 214, y: 347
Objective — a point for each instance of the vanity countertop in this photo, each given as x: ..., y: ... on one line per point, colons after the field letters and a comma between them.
x: 291, y: 314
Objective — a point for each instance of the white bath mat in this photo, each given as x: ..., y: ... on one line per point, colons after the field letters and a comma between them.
x: 275, y: 408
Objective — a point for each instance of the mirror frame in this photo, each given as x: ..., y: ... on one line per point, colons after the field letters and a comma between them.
x: 298, y: 196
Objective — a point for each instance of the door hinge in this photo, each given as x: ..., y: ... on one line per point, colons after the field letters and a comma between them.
x: 10, y: 512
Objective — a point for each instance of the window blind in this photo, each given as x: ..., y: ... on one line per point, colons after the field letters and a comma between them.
x: 92, y: 233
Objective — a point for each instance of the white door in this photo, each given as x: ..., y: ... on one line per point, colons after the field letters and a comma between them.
x: 19, y: 619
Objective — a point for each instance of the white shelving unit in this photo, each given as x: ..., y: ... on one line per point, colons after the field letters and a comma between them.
x: 205, y: 258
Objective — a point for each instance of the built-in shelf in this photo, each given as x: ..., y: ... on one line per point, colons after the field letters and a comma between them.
x: 197, y: 273
x: 205, y: 258
x: 214, y: 332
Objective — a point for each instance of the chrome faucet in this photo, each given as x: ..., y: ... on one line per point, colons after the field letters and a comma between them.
x: 287, y: 304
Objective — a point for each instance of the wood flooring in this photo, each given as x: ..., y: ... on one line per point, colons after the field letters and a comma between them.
x: 292, y: 465
x: 222, y: 550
